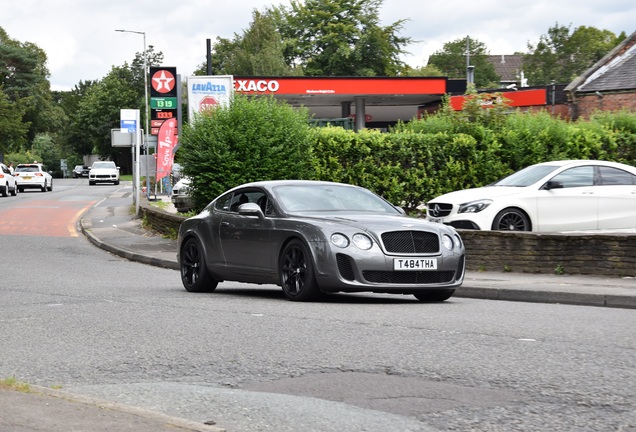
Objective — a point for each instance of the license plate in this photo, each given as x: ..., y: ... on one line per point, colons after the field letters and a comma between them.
x: 413, y: 264
x: 436, y: 220
x: 27, y: 178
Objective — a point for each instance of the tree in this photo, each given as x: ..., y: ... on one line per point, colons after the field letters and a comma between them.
x: 258, y: 51
x: 99, y: 111
x: 424, y: 71
x: 560, y: 56
x: 341, y: 38
x: 451, y: 60
x: 24, y: 80
x: 13, y: 130
x: 72, y: 136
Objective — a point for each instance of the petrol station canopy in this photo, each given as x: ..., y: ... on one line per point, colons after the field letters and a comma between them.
x: 383, y: 100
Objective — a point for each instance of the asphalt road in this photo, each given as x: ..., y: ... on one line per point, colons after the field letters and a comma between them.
x: 76, y: 317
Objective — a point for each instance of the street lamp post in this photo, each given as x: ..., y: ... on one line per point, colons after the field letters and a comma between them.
x: 146, y: 114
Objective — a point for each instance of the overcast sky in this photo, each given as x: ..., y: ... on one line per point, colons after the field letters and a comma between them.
x: 80, y: 41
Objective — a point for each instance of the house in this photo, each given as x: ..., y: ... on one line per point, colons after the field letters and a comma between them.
x: 609, y: 85
x: 510, y: 68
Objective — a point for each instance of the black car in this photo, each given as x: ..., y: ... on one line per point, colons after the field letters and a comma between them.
x: 80, y: 171
x: 313, y: 237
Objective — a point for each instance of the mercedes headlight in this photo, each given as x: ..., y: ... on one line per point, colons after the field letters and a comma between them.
x: 474, y: 206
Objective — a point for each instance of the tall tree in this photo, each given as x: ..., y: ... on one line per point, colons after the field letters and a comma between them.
x: 24, y: 79
x: 257, y: 51
x: 451, y: 60
x: 561, y: 56
x: 341, y: 38
x: 13, y: 130
x: 99, y: 111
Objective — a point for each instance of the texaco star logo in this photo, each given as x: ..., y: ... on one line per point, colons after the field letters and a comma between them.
x: 163, y: 81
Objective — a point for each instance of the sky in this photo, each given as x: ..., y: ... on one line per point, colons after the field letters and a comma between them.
x: 81, y: 43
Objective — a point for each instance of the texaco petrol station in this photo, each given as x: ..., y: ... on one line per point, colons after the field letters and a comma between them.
x: 371, y: 101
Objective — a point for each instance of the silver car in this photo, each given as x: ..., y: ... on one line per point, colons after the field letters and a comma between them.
x: 180, y: 197
x: 312, y: 237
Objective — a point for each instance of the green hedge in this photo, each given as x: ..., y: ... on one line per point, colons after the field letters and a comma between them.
x: 259, y: 139
x: 415, y: 163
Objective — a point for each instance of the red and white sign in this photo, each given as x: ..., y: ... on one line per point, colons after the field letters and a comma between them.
x: 339, y: 86
x: 163, y: 81
x: 521, y: 98
x: 166, y: 141
x: 208, y: 102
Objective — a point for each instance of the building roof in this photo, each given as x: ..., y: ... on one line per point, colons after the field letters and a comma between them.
x: 615, y: 71
x: 507, y: 66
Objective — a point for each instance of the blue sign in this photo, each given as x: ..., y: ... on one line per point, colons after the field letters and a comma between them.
x: 128, y: 126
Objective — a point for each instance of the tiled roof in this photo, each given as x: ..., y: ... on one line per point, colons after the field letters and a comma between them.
x: 507, y: 66
x: 615, y: 71
x: 618, y: 75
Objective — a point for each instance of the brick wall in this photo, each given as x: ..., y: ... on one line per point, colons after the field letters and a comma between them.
x: 588, y: 103
x: 520, y: 252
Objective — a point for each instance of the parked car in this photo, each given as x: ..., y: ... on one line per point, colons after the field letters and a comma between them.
x: 180, y: 196
x: 177, y: 172
x: 7, y: 181
x: 81, y: 171
x: 103, y: 172
x: 33, y: 176
x: 312, y: 237
x: 568, y: 195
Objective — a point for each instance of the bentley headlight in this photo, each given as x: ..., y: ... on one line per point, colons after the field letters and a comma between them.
x: 340, y: 240
x: 362, y: 241
x: 474, y: 206
x: 447, y: 241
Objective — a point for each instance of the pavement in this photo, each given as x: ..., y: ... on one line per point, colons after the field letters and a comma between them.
x: 112, y: 225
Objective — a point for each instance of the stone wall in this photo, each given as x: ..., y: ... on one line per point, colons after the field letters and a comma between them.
x: 593, y: 254
x: 161, y: 221
x: 520, y: 252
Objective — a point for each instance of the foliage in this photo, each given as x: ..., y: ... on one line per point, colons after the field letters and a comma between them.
x: 27, y: 156
x: 424, y: 71
x: 560, y: 56
x: 99, y: 111
x: 256, y: 52
x: 341, y: 38
x: 251, y: 139
x: 407, y: 168
x: 12, y: 129
x: 24, y: 81
x: 315, y: 38
x: 44, y: 146
x: 622, y: 126
x: 451, y: 60
x: 453, y: 150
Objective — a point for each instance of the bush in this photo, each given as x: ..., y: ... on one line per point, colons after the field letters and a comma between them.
x: 251, y: 139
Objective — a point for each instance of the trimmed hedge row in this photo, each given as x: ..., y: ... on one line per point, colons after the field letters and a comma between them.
x: 262, y: 139
x: 423, y: 159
